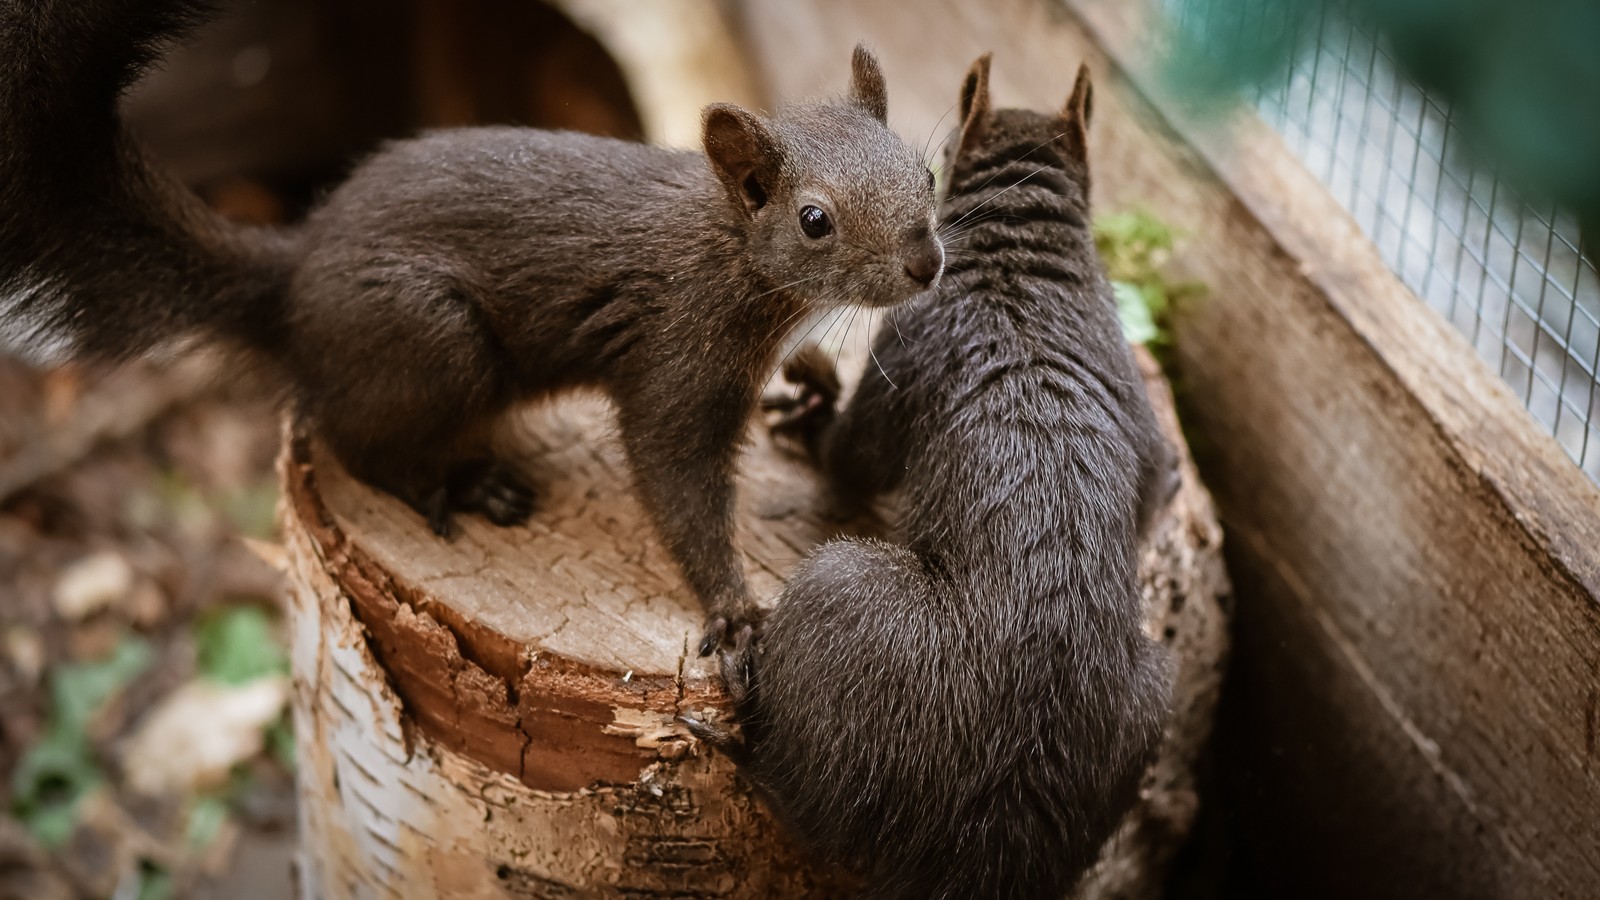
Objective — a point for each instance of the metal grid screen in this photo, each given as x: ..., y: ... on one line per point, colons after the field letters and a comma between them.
x: 1513, y: 277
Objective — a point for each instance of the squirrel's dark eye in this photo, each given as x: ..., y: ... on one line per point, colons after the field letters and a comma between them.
x: 933, y: 183
x: 814, y: 222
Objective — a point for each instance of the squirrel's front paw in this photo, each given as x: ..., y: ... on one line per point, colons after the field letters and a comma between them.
x: 735, y: 627
x: 803, y: 416
x: 738, y: 680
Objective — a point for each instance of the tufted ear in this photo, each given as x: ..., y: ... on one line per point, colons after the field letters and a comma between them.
x: 975, y: 104
x: 1075, y: 116
x: 743, y: 154
x: 867, y: 87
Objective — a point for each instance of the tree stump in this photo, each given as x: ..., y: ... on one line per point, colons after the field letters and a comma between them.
x: 494, y: 716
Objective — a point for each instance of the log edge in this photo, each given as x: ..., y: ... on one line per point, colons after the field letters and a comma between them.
x: 482, y: 695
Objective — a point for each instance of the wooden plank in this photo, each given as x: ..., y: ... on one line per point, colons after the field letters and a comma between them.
x: 1421, y: 559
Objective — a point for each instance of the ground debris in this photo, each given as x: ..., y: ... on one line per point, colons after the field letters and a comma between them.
x: 130, y: 608
x: 91, y: 584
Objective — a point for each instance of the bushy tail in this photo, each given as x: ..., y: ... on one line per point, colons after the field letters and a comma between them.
x: 101, y: 256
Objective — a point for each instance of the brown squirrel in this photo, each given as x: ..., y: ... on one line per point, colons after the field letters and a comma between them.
x: 967, y: 712
x: 457, y: 275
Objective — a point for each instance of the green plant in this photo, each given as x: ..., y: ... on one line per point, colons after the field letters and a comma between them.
x: 237, y: 644
x: 1135, y: 246
x: 58, y: 771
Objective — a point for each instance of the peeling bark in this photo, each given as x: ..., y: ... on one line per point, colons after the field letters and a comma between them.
x: 494, y: 716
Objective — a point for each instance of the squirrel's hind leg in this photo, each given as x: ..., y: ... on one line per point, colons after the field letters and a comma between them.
x: 438, y: 475
x: 489, y: 487
x: 397, y: 368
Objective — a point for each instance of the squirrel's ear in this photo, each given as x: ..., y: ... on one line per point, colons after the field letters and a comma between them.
x: 743, y: 154
x: 867, y: 87
x: 1075, y: 116
x: 975, y: 104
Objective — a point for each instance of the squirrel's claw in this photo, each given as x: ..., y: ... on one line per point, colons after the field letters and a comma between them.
x: 737, y: 667
x: 737, y: 629
x: 436, y: 509
x: 805, y: 415
x: 738, y: 670
x: 494, y: 490
x: 719, y: 739
x: 485, y: 487
x: 715, y: 629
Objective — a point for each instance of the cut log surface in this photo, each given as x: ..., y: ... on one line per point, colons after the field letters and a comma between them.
x: 494, y: 715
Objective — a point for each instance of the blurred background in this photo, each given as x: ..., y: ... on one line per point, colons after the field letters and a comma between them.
x: 1462, y: 137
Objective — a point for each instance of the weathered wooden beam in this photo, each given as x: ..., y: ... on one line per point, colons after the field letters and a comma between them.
x: 1412, y: 525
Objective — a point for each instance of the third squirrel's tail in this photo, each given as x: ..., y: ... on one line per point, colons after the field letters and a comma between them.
x: 101, y: 256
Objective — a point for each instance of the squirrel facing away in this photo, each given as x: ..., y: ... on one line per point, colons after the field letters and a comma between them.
x: 457, y: 275
x: 967, y: 712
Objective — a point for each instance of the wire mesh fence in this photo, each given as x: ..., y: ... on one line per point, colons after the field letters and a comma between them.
x: 1514, y: 277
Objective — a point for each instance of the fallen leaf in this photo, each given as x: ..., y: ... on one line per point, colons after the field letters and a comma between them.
x: 91, y: 584
x: 199, y: 732
x: 146, y: 605
x: 25, y: 652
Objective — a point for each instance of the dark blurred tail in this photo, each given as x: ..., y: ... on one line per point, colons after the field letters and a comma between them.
x: 102, y: 256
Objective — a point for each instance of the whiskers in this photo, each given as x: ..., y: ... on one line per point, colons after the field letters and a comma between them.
x: 872, y: 339
x: 800, y: 310
x: 927, y: 143
x: 931, y: 152
x: 843, y: 318
x: 998, y: 194
x: 964, y: 217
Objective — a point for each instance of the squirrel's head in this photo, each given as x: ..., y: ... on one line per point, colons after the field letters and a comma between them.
x: 989, y: 138
x: 835, y: 206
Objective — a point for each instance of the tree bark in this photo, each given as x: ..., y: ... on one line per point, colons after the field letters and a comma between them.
x: 494, y: 716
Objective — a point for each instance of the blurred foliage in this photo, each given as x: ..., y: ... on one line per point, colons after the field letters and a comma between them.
x: 280, y: 742
x: 155, y: 882
x: 1522, y: 79
x: 250, y: 510
x: 236, y: 644
x: 253, y: 510
x: 207, y: 815
x: 1135, y: 246
x: 61, y: 768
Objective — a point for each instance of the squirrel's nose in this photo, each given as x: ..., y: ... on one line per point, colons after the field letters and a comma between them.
x: 924, y: 263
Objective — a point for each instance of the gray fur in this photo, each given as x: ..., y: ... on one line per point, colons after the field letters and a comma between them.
x: 458, y: 275
x: 966, y: 712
